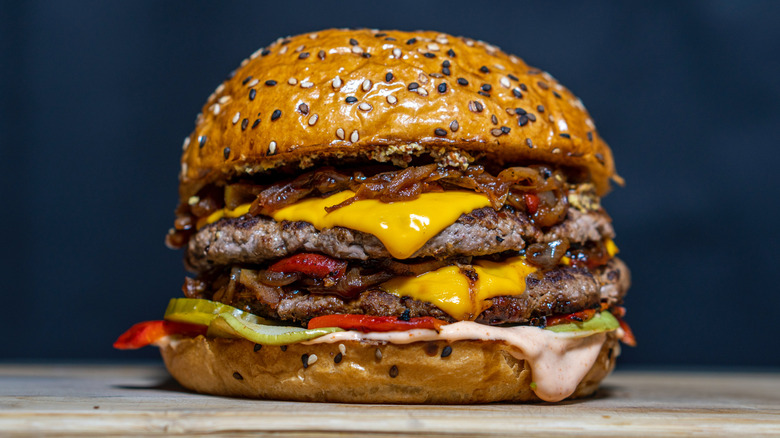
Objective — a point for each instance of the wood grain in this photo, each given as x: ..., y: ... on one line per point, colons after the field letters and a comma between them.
x: 142, y: 400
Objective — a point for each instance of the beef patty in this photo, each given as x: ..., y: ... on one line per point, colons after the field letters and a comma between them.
x: 255, y: 239
x: 557, y: 291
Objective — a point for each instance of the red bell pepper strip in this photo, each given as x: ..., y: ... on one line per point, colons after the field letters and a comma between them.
x: 313, y: 265
x: 149, y: 332
x: 532, y: 202
x: 581, y: 316
x: 366, y: 323
x: 628, y: 335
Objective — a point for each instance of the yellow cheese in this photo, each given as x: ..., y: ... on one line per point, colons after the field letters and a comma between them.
x: 403, y: 227
x: 612, y: 249
x: 219, y: 214
x: 450, y: 290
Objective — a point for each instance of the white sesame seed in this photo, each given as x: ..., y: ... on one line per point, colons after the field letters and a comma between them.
x: 220, y: 88
x: 562, y: 125
x: 185, y: 144
x: 505, y: 82
x: 378, y: 354
x: 357, y: 49
x: 292, y: 81
x: 499, y: 66
x: 470, y: 43
x: 300, y: 48
x: 391, y: 99
x: 313, y: 119
x: 216, y: 109
x: 342, y: 349
x: 312, y: 359
x: 423, y: 78
x: 336, y: 82
x: 422, y: 92
x: 193, y: 200
x: 283, y: 51
x: 514, y: 59
x: 365, y: 106
x: 354, y: 137
x: 367, y: 85
x: 397, y: 53
x: 272, y: 148
x: 252, y: 83
x: 306, y: 84
x: 236, y: 118
x: 313, y: 36
x: 433, y: 47
x: 224, y: 99
x: 244, y: 62
x: 340, y: 134
x: 256, y: 53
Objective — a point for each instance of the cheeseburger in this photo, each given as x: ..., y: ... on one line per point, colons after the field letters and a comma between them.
x: 392, y: 217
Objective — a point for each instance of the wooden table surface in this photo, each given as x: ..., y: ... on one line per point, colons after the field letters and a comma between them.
x: 143, y: 400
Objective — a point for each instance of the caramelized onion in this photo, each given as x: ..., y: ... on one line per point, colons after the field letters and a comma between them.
x: 547, y: 255
x: 272, y: 278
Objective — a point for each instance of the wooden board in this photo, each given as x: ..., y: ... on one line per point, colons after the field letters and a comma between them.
x: 142, y: 400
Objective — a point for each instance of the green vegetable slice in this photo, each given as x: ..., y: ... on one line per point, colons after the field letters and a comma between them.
x: 197, y: 311
x: 228, y: 326
x: 601, y: 322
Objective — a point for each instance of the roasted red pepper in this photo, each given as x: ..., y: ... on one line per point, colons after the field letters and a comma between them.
x: 628, y: 335
x: 532, y: 202
x: 312, y: 265
x: 149, y: 332
x: 581, y: 316
x: 366, y: 323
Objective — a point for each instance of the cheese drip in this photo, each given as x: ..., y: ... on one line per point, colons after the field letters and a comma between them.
x: 464, y: 298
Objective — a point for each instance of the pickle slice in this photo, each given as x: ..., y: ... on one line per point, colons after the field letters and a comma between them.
x: 197, y: 311
x: 228, y: 326
x: 601, y: 322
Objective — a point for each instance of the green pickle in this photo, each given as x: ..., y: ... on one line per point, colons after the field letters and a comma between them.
x: 197, y: 311
x: 601, y: 322
x: 227, y: 325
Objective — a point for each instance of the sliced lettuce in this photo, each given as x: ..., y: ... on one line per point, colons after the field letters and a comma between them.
x: 601, y: 322
x: 227, y: 325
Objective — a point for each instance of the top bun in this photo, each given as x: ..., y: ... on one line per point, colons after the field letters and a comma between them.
x: 386, y: 96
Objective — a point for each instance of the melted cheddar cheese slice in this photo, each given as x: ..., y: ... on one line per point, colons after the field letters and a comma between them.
x: 462, y: 297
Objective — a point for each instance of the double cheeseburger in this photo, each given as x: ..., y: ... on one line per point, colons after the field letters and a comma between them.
x: 392, y: 217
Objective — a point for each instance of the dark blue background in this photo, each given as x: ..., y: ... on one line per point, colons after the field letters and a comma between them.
x: 97, y: 97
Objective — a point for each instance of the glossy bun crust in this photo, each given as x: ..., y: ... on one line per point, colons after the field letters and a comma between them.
x: 474, y: 372
x: 410, y: 93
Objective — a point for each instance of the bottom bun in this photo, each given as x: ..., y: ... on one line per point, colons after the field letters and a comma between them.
x: 473, y: 372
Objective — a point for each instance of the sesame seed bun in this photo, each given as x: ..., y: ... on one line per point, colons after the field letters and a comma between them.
x: 411, y: 373
x: 385, y: 96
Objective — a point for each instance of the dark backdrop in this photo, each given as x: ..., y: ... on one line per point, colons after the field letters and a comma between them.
x: 97, y: 97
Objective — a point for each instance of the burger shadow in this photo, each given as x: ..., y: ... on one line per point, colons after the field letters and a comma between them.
x: 166, y: 385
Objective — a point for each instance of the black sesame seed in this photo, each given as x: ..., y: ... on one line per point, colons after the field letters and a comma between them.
x: 276, y: 114
x: 390, y: 39
x: 305, y: 360
x: 351, y: 99
x: 522, y: 120
x: 303, y: 108
x: 394, y: 371
x: 484, y: 69
x: 202, y: 141
x: 506, y: 129
x: 252, y: 94
x: 265, y: 52
x: 245, y: 81
x: 440, y: 132
x: 238, y: 376
x: 380, y: 35
x: 513, y: 77
x: 257, y: 122
x: 442, y: 87
x: 482, y: 93
x: 353, y: 42
x: 555, y: 93
x: 231, y: 75
x: 413, y: 86
x: 499, y: 239
x: 435, y: 75
x: 520, y: 111
x: 564, y: 135
x: 405, y: 316
x: 486, y: 87
x: 244, y: 124
x: 542, y: 85
x: 389, y: 77
x: 303, y: 55
x: 286, y: 42
x: 429, y: 55
x: 226, y: 153
x: 517, y: 93
x: 454, y: 126
x: 446, y: 63
x: 496, y: 132
x: 531, y: 117
x: 270, y: 82
x: 451, y: 53
x: 462, y: 81
x: 283, y: 347
x: 479, y: 106
x: 534, y: 71
x: 337, y: 359
x: 529, y: 143
x: 599, y: 157
x: 590, y: 135
x: 446, y: 71
x: 411, y: 41
x: 523, y: 87
x: 446, y: 351
x: 258, y: 347
x: 366, y: 55
x: 321, y: 54
x: 494, y: 119
x: 540, y: 108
